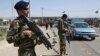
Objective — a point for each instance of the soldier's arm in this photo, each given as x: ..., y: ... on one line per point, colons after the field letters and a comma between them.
x: 60, y: 25
x: 12, y: 34
x: 69, y: 25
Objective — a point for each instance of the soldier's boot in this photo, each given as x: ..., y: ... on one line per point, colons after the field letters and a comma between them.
x: 61, y: 50
x: 64, y: 49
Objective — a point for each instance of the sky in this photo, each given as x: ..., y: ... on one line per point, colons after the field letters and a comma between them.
x: 73, y: 8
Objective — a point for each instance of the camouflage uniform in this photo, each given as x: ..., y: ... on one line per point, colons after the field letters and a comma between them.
x: 26, y: 44
x: 15, y: 34
x: 62, y: 35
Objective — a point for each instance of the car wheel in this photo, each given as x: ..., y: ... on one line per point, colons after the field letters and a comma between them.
x: 92, y: 38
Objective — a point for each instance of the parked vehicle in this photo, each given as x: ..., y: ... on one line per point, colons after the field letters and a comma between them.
x: 70, y: 21
x: 82, y: 29
x: 41, y: 23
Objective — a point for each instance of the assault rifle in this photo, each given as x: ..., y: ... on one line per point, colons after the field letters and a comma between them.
x: 33, y: 27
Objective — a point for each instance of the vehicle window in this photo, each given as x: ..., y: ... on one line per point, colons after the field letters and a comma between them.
x: 81, y: 25
x: 77, y: 20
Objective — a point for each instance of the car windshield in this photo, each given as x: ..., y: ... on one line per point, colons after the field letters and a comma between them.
x: 77, y: 20
x: 81, y: 25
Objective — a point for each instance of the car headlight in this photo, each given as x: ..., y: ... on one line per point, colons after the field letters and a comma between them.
x: 94, y: 32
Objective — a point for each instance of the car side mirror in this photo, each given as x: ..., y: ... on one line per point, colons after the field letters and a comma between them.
x: 73, y: 26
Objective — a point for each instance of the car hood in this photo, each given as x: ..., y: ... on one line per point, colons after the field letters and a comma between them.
x: 84, y: 29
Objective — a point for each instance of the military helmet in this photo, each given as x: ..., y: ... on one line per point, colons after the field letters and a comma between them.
x: 64, y: 16
x: 21, y: 5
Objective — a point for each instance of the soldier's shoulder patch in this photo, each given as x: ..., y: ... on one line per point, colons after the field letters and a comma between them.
x: 14, y: 23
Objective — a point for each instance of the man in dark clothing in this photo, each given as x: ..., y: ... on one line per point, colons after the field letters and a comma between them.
x: 47, y: 22
x: 19, y: 33
x: 51, y: 23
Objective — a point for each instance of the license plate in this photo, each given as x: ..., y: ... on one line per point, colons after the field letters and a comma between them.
x: 85, y: 35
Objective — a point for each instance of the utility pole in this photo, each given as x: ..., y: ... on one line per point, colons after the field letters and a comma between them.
x: 12, y: 5
x: 29, y: 10
x: 42, y: 14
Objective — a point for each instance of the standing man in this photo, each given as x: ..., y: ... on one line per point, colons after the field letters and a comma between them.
x: 62, y: 29
x: 47, y: 22
x: 51, y: 23
x: 19, y: 33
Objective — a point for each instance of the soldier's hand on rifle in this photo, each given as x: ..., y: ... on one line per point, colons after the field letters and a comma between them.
x: 39, y: 41
x: 29, y: 33
x: 65, y: 30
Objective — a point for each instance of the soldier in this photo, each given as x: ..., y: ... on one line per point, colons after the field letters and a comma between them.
x: 62, y: 29
x: 20, y: 34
